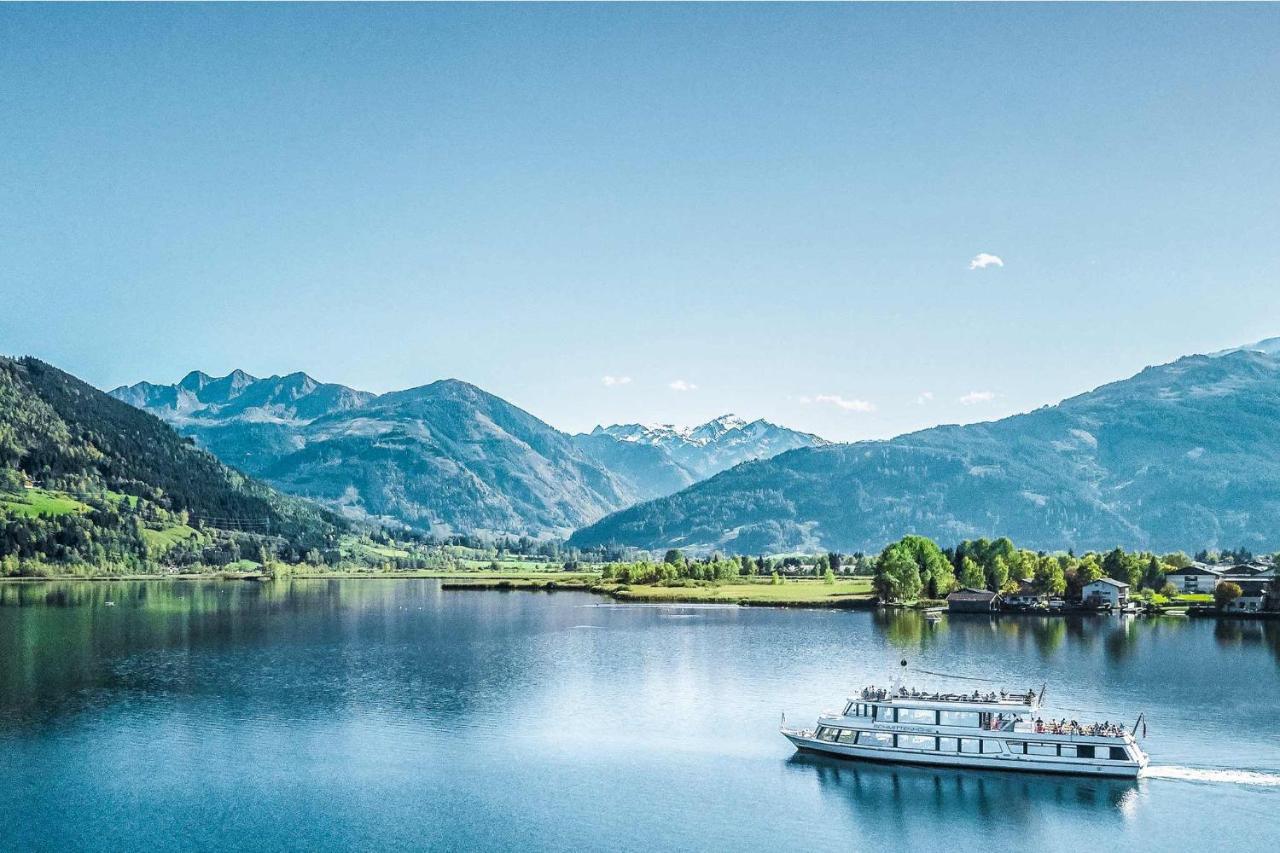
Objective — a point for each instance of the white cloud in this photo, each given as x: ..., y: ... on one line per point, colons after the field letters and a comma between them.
x: 841, y: 402
x: 982, y: 260
x: 610, y: 381
x: 975, y: 397
x: 681, y: 385
x: 925, y: 397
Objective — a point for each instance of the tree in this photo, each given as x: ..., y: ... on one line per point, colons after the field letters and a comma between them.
x: 674, y: 558
x: 1225, y: 593
x: 937, y: 575
x: 971, y: 574
x: 833, y: 561
x: 1153, y: 574
x: 1049, y: 578
x: 1122, y: 567
x: 897, y: 577
x: 828, y: 576
x: 997, y: 574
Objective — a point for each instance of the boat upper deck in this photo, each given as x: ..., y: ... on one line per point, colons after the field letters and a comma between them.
x: 1001, y: 700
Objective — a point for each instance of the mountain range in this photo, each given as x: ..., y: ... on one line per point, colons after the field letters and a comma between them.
x: 1180, y: 456
x: 446, y: 457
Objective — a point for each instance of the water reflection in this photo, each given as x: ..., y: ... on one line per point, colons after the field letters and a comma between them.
x: 1264, y: 633
x: 884, y: 795
x: 286, y: 648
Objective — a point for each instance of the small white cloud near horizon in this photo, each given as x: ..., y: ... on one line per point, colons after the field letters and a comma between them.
x: 842, y: 403
x: 611, y: 381
x: 982, y: 260
x: 975, y: 397
x: 681, y: 385
x: 925, y: 397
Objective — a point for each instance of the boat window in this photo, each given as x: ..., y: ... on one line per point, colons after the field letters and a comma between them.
x: 990, y: 746
x: 1042, y: 749
x: 968, y: 719
x: 1118, y: 754
x: 948, y: 744
x: 847, y: 736
x: 825, y: 733
x: 969, y: 744
x: 919, y: 716
x: 917, y: 742
x: 875, y: 739
x: 1066, y: 750
x: 1084, y: 752
x: 848, y: 709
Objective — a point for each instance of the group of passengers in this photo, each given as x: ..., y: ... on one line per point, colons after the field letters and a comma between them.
x: 1071, y: 727
x: 873, y: 693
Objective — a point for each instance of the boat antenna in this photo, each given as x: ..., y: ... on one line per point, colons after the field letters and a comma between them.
x: 1136, y: 723
x: 1040, y: 698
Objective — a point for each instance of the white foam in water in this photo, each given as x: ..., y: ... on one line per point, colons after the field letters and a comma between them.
x: 1198, y: 774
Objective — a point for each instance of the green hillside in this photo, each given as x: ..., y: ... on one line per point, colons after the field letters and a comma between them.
x: 89, y: 481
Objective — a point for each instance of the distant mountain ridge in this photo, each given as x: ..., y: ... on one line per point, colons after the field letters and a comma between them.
x: 716, y: 445
x: 1180, y: 456
x: 447, y: 456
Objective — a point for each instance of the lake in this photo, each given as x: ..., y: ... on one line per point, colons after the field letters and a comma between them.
x: 393, y: 715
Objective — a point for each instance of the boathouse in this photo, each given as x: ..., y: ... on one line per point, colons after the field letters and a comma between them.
x: 969, y: 600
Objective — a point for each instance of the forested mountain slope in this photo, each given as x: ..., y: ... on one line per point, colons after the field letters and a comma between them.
x: 84, y: 477
x: 1183, y: 455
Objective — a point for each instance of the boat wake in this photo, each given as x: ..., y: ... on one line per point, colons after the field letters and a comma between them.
x: 1201, y: 774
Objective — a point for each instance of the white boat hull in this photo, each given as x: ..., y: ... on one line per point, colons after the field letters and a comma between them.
x: 1001, y: 761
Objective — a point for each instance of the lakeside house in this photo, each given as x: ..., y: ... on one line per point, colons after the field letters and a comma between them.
x: 1027, y: 596
x: 1106, y: 592
x: 1253, y: 596
x: 1196, y: 578
x: 969, y: 600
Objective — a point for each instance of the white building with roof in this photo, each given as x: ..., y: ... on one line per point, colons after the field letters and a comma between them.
x: 1196, y: 578
x: 1106, y: 592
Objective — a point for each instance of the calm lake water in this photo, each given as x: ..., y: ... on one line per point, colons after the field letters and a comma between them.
x: 393, y: 715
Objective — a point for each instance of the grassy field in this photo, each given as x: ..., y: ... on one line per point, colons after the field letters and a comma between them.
x: 842, y: 593
x: 166, y: 538
x: 33, y: 502
x: 477, y: 575
x: 513, y: 565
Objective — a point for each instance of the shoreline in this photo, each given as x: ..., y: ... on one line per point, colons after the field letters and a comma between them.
x: 742, y: 595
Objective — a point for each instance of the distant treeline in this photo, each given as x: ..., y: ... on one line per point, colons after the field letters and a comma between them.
x: 916, y: 567
x: 675, y: 567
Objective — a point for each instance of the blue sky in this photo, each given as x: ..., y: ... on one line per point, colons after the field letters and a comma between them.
x: 773, y: 208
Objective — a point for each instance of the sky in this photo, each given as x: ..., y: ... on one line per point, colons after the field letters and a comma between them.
x: 855, y: 220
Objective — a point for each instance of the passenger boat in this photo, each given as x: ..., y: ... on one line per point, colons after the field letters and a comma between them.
x: 996, y: 731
